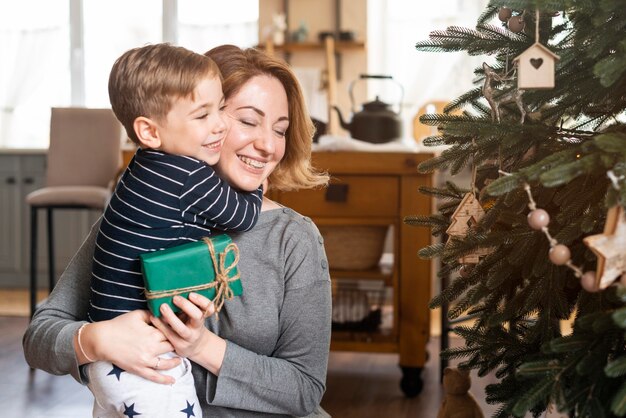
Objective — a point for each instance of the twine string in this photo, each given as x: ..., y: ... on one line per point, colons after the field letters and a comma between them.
x: 223, y: 291
x: 474, y: 167
x: 537, y: 25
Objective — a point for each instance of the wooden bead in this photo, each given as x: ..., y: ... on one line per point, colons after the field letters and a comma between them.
x: 538, y: 219
x: 559, y: 254
x: 588, y: 282
x: 504, y: 14
x: 622, y: 279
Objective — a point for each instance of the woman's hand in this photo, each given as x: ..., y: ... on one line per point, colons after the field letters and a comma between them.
x: 130, y: 342
x: 187, y: 333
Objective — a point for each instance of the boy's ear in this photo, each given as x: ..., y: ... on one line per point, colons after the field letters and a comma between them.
x: 147, y: 132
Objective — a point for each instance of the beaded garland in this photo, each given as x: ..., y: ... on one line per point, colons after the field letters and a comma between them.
x: 608, y: 246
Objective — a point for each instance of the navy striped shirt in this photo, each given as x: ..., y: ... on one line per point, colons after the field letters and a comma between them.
x: 161, y: 200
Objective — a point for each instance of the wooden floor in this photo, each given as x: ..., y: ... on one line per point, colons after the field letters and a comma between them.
x: 359, y: 385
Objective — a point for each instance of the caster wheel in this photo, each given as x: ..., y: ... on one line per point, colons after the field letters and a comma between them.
x: 411, y: 382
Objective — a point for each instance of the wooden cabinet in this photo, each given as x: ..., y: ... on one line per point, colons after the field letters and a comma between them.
x: 22, y: 172
x: 19, y: 175
x: 379, y: 189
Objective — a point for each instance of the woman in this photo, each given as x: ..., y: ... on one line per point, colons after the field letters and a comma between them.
x: 267, y: 354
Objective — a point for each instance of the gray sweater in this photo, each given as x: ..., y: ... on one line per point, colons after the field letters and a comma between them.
x: 277, y: 332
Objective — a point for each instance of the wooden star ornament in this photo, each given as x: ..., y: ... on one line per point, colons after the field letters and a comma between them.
x: 610, y: 248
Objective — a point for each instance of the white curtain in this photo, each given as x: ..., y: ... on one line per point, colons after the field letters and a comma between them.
x: 203, y: 25
x: 201, y: 38
x: 26, y: 84
x: 425, y: 76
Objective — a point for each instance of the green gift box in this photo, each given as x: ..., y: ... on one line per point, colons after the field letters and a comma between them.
x: 207, y: 267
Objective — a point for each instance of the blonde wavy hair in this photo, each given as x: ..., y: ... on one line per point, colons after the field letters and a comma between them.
x: 238, y: 66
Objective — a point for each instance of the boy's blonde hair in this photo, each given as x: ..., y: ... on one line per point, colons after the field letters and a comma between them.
x: 238, y: 66
x: 146, y: 81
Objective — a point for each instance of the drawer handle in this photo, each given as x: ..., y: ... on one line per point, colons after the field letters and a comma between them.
x: 337, y: 193
x: 29, y: 180
x: 10, y: 180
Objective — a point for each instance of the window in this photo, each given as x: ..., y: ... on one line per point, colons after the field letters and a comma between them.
x: 424, y: 76
x: 62, y: 54
x: 203, y: 25
x: 110, y: 28
x: 35, y: 70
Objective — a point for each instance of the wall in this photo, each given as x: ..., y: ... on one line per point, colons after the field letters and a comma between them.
x: 319, y: 15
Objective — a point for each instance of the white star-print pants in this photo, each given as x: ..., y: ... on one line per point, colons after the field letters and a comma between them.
x: 119, y: 394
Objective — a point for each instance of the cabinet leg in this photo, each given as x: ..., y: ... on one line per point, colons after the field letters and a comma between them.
x: 411, y: 382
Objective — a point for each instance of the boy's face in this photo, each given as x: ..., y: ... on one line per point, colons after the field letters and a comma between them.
x: 195, y: 127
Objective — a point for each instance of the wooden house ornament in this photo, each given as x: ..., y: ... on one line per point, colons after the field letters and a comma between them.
x: 535, y: 68
x: 465, y: 217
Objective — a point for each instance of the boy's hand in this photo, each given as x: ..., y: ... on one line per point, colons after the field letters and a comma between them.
x: 185, y: 331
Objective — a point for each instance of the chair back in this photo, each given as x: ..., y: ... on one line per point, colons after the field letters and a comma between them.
x: 85, y: 147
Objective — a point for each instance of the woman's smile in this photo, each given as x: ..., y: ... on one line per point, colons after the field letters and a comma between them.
x: 252, y: 163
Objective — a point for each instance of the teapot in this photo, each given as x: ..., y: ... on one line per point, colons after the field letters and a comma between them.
x: 376, y: 122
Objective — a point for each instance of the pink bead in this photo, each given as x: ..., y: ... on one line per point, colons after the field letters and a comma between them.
x: 538, y: 219
x: 559, y: 254
x: 588, y: 282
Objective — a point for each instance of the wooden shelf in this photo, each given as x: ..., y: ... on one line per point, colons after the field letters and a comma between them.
x: 340, y: 46
x: 382, y: 272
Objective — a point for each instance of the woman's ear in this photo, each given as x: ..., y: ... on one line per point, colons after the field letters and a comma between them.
x: 147, y: 132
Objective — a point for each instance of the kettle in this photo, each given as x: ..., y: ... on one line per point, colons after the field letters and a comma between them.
x: 376, y: 122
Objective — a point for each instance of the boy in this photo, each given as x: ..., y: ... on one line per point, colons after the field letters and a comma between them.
x: 170, y: 102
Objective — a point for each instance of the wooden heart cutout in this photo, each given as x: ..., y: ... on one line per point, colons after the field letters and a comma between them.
x: 536, y: 62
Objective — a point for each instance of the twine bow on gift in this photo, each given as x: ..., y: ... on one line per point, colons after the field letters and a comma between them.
x: 223, y: 291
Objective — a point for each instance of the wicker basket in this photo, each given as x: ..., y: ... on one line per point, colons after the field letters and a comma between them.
x: 351, y: 247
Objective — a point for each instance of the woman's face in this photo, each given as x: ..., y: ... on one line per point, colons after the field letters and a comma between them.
x: 257, y: 117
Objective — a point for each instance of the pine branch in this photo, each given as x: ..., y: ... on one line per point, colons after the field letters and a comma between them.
x: 488, y: 14
x: 434, y: 141
x: 467, y: 98
x: 432, y: 119
x: 484, y: 39
x: 618, y: 405
x: 534, y: 396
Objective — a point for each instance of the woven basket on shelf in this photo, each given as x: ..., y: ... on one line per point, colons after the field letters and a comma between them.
x: 354, y: 247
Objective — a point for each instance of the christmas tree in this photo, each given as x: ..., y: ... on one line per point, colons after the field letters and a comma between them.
x: 540, y: 236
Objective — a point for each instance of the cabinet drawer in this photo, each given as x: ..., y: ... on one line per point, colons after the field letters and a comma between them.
x: 348, y: 196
